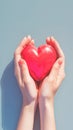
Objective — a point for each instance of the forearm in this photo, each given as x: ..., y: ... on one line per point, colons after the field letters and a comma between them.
x: 26, y: 119
x: 47, y: 118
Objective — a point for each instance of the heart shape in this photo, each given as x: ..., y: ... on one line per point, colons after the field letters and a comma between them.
x: 39, y: 60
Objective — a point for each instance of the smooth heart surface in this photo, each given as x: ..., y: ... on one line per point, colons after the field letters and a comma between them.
x: 39, y: 60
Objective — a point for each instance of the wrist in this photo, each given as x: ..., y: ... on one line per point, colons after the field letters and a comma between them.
x: 47, y: 115
x: 26, y: 119
x: 44, y: 102
x: 29, y: 106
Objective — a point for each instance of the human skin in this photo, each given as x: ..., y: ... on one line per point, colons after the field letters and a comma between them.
x: 42, y: 93
x: 49, y: 87
x: 28, y: 88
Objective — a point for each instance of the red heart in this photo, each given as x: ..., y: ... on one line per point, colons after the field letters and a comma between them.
x: 39, y: 60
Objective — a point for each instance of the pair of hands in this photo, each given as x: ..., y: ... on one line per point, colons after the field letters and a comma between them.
x: 46, y: 89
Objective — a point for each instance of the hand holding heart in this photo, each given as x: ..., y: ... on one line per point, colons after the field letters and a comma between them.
x: 45, y: 64
x: 39, y: 60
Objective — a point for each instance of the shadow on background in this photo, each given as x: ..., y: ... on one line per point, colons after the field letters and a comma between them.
x: 11, y: 99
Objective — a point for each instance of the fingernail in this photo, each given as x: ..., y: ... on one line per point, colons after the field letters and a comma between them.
x: 32, y: 42
x: 48, y: 39
x: 29, y: 36
x: 21, y: 62
x: 52, y: 37
x: 24, y: 38
x: 59, y: 62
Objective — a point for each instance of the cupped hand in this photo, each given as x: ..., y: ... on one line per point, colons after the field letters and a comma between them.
x: 26, y: 83
x: 52, y: 82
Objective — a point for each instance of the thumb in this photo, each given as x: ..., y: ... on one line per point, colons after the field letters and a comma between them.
x: 24, y: 70
x: 56, y: 67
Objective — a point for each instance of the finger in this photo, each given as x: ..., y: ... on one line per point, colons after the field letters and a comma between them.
x: 56, y: 45
x: 62, y: 67
x: 24, y: 71
x: 61, y: 74
x: 32, y: 42
x: 24, y: 42
x: 17, y: 71
x: 55, y: 69
x: 48, y: 40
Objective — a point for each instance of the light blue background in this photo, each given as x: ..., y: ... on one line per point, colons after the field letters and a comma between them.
x: 39, y: 18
